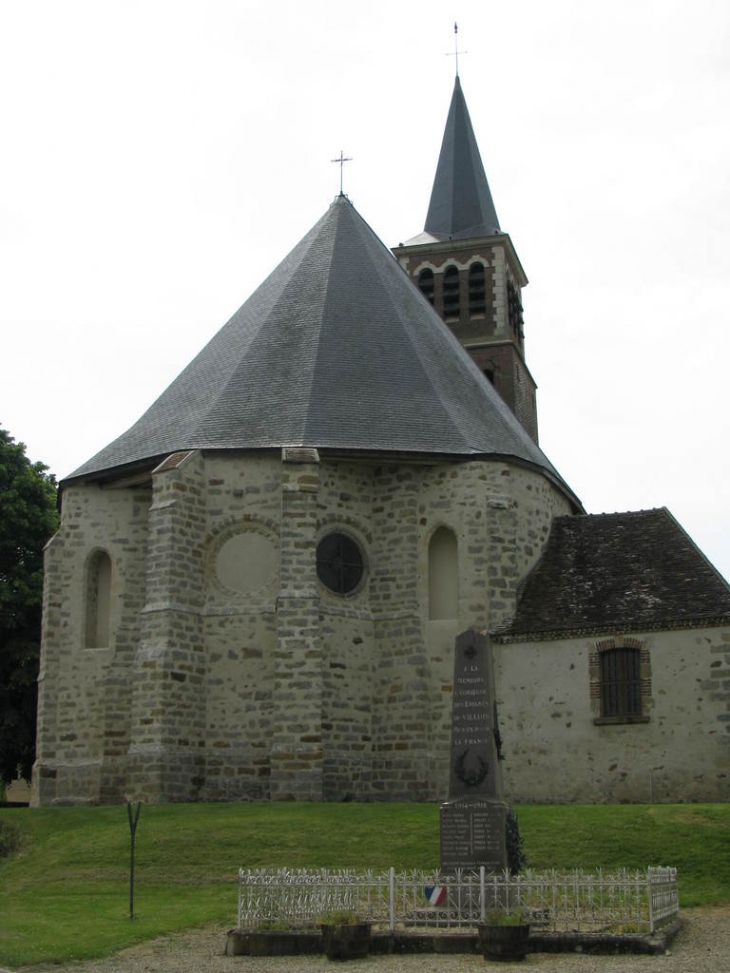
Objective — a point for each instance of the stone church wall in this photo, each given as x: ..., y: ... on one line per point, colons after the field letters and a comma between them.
x: 413, y: 708
x: 556, y: 753
x: 244, y: 507
x: 231, y: 672
x: 84, y: 689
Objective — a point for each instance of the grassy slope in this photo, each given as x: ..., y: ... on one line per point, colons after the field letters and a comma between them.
x: 66, y: 895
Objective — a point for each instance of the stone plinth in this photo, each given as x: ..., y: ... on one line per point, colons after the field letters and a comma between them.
x: 473, y: 834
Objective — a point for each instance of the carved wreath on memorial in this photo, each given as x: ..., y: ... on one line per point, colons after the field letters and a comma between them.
x: 472, y: 773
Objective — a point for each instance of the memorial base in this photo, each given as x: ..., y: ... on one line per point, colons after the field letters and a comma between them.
x: 473, y: 834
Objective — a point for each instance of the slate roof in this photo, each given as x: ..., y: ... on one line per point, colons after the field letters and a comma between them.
x: 461, y: 204
x: 618, y: 572
x: 335, y: 350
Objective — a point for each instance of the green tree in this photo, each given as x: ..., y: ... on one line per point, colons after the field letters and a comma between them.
x: 28, y: 517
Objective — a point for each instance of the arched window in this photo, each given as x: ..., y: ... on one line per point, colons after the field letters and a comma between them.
x: 620, y: 675
x: 443, y: 575
x: 98, y: 600
x: 425, y: 284
x: 451, y: 292
x: 477, y: 289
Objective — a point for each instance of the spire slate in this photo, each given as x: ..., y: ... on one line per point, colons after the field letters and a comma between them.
x: 461, y: 204
x: 338, y: 350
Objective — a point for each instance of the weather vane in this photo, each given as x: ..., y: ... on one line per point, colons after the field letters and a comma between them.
x: 457, y: 52
x: 342, y: 160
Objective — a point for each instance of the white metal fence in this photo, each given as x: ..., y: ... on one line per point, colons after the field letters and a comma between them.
x: 616, y: 902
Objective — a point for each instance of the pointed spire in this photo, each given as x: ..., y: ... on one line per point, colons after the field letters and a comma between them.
x: 461, y: 204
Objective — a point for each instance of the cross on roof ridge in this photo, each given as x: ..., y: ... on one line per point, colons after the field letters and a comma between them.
x: 342, y: 160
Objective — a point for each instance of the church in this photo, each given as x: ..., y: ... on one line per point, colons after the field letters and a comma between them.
x: 255, y: 591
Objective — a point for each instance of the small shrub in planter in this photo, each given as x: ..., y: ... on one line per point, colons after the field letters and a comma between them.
x: 345, y: 936
x: 504, y: 935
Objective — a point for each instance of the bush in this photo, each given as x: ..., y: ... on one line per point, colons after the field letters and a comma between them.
x: 9, y: 839
x: 516, y: 858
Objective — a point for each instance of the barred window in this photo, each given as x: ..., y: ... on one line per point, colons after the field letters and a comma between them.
x: 620, y: 682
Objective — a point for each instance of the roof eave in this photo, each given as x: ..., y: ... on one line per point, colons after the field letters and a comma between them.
x: 630, y: 625
x: 135, y: 473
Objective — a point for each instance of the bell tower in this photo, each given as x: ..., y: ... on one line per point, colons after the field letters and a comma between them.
x: 468, y: 269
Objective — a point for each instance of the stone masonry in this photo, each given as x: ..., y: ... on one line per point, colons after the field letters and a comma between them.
x: 231, y: 672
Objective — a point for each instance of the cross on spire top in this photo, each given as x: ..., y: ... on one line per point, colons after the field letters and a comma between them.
x: 342, y: 160
x: 457, y: 52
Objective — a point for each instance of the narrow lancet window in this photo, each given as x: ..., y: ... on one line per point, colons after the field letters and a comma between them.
x: 98, y: 600
x: 443, y: 575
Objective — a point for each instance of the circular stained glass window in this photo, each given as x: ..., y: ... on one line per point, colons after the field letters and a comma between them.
x: 340, y: 564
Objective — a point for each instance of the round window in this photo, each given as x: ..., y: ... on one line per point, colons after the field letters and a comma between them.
x: 340, y: 564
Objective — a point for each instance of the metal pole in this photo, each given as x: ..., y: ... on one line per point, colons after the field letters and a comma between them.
x: 133, y: 819
x: 391, y: 896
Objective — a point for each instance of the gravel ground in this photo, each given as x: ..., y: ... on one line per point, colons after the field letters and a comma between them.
x: 702, y: 946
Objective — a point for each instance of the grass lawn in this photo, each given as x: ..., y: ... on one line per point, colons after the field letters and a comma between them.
x: 65, y: 895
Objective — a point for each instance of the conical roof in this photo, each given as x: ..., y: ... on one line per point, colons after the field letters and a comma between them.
x: 461, y: 204
x: 335, y: 350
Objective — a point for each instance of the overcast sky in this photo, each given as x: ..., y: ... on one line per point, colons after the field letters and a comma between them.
x: 160, y: 157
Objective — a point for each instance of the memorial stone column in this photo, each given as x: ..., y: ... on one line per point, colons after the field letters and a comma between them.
x: 474, y: 818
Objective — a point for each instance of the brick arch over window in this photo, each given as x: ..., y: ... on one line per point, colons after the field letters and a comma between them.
x: 620, y: 680
x: 98, y: 600
x: 443, y: 575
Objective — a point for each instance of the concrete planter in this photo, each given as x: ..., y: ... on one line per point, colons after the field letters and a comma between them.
x: 504, y: 941
x: 346, y: 940
x: 273, y: 942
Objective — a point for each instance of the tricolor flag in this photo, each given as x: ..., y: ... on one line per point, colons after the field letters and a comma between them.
x: 435, y: 894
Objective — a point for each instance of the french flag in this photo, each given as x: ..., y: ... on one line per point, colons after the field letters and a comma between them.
x: 435, y: 894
